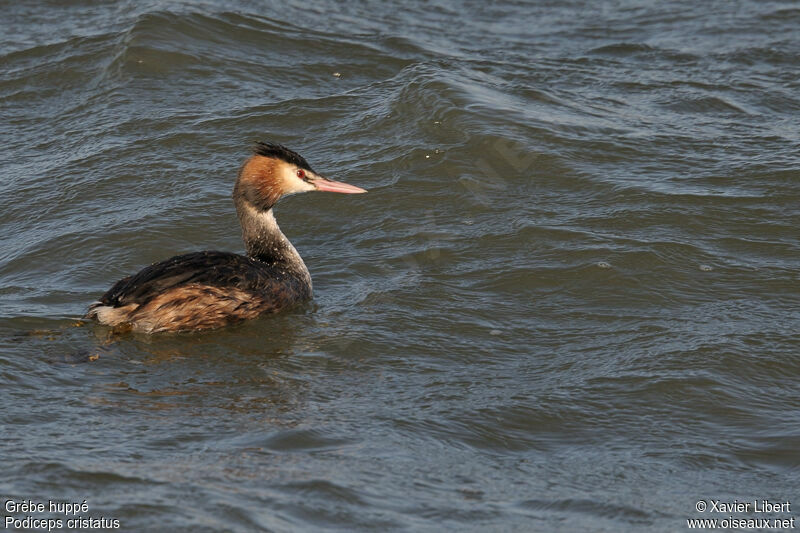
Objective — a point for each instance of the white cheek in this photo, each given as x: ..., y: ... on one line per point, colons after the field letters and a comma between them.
x: 292, y: 184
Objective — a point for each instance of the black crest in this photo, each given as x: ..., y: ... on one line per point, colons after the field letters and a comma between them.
x: 281, y: 152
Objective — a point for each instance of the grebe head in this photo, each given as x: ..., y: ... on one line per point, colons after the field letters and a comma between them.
x: 274, y: 171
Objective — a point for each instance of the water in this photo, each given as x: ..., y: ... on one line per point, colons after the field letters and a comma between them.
x: 568, y: 302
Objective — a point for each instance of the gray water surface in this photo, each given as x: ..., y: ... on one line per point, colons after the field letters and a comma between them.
x: 569, y: 301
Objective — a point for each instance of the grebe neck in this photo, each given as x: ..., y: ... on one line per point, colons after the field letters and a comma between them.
x: 265, y: 241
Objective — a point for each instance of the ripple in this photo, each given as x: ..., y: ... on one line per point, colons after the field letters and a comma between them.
x: 575, y: 273
x: 707, y: 104
x: 600, y: 509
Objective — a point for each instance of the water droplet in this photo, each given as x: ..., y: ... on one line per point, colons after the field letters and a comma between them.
x: 603, y: 264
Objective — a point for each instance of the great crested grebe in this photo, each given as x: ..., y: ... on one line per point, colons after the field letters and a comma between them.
x: 205, y: 290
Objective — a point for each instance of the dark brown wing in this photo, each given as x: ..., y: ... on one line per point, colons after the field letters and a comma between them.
x: 216, y: 269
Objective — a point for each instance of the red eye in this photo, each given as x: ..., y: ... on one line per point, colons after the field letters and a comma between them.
x: 301, y: 173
